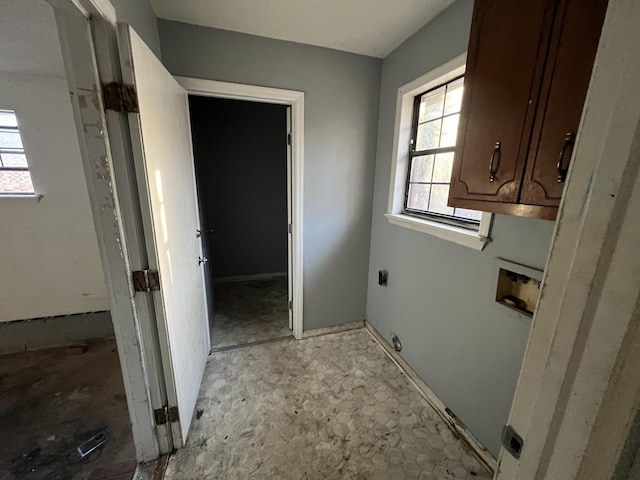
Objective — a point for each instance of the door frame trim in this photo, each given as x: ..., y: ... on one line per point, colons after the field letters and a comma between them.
x: 87, y: 32
x: 575, y: 405
x: 294, y: 99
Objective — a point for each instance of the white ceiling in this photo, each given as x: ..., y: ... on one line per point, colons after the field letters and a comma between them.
x: 29, y: 41
x: 368, y: 27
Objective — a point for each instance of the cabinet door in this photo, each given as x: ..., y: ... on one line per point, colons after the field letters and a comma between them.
x: 573, y: 48
x: 507, y: 48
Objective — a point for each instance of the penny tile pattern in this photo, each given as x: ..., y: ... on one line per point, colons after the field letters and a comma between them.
x: 250, y: 311
x: 327, y: 407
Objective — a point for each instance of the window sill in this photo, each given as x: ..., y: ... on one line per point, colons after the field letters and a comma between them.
x: 461, y: 236
x: 8, y: 198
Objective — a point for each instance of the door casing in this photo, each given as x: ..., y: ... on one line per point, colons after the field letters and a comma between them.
x: 295, y: 169
x: 87, y: 31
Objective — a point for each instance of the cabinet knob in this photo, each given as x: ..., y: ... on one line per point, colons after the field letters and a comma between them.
x: 567, y: 145
x: 494, y: 155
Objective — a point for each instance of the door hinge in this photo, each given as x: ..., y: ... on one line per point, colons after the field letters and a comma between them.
x: 289, y: 139
x: 121, y: 98
x: 160, y: 416
x: 146, y: 280
x: 290, y: 228
x: 290, y: 304
x: 166, y: 414
x: 173, y: 415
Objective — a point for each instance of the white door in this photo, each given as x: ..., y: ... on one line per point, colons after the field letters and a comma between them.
x: 161, y: 138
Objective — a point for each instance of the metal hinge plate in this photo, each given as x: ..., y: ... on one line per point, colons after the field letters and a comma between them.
x: 121, y: 98
x: 164, y: 415
x: 146, y: 280
x: 290, y: 304
x: 173, y: 415
x: 160, y: 416
x: 290, y: 228
x: 289, y: 139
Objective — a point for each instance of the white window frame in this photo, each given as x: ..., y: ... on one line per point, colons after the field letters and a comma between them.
x: 400, y: 162
x: 16, y: 196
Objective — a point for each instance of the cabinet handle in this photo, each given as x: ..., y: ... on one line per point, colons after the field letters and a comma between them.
x: 562, y: 170
x: 496, y: 153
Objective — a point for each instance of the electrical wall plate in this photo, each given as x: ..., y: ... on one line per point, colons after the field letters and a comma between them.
x: 511, y: 441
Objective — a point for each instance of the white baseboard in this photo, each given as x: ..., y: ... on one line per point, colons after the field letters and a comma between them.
x: 248, y: 278
x: 481, y: 453
x: 334, y: 329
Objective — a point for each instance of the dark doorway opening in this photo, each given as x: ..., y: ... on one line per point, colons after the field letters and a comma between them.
x: 240, y: 152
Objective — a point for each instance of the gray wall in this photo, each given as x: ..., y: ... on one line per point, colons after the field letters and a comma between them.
x: 240, y: 151
x: 140, y: 15
x: 341, y: 116
x: 440, y: 297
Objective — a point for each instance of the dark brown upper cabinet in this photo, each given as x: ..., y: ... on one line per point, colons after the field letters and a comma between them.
x: 528, y: 68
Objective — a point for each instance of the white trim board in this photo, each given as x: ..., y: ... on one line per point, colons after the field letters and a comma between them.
x: 87, y: 48
x: 458, y: 428
x: 213, y: 88
x: 579, y: 387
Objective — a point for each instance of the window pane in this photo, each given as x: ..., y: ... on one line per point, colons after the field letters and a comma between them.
x: 453, y: 101
x: 10, y: 140
x: 15, y: 182
x: 428, y: 135
x: 439, y: 197
x: 13, y: 160
x: 418, y: 198
x: 8, y: 119
x: 431, y: 105
x: 421, y: 168
x: 449, y: 131
x: 468, y: 214
x: 442, y: 167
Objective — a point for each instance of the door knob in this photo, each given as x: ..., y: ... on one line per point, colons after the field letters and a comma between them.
x: 202, y: 260
x: 206, y: 230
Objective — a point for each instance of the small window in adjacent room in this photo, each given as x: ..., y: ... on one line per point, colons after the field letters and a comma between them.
x: 15, y: 178
x: 436, y: 113
x: 425, y: 136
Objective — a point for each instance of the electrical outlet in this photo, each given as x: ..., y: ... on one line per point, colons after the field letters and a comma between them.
x: 397, y: 344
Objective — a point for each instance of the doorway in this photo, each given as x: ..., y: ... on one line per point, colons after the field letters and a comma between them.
x: 63, y: 408
x: 241, y: 164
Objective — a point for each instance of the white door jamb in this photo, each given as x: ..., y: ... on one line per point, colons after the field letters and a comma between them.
x: 90, y: 56
x: 295, y: 99
x: 577, y: 397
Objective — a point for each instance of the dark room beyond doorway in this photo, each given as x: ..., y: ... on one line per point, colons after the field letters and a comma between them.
x: 240, y: 151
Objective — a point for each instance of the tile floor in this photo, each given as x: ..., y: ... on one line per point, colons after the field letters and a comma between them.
x: 51, y: 402
x: 328, y: 407
x: 249, y: 312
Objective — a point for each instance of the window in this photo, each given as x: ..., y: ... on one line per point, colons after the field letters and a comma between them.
x: 436, y: 113
x: 15, y: 178
x: 427, y: 113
